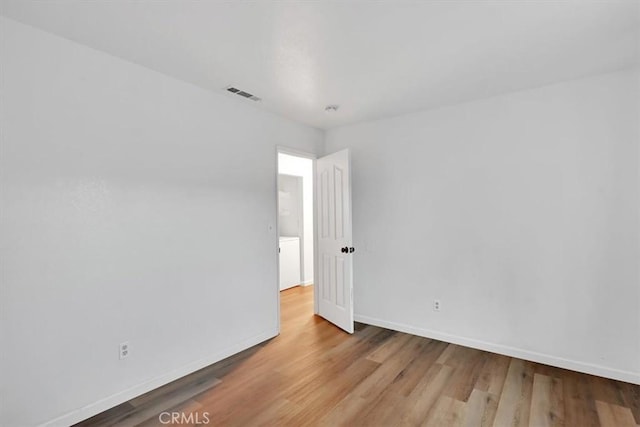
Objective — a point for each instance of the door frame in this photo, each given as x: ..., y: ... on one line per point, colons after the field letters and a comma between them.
x: 281, y: 149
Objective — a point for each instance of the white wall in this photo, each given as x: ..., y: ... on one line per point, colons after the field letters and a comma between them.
x: 134, y: 207
x: 290, y: 206
x: 299, y: 166
x: 520, y: 213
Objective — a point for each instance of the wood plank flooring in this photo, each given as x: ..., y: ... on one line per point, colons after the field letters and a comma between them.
x: 313, y: 374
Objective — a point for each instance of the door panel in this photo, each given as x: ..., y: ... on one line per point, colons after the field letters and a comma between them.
x: 334, y: 222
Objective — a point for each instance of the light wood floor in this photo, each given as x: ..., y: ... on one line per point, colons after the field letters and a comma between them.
x: 314, y: 374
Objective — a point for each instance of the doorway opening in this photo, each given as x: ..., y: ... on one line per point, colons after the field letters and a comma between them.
x: 295, y: 221
x: 315, y: 247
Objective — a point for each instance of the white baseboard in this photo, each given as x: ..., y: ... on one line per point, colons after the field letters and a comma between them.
x: 123, y: 396
x: 574, y: 365
x: 307, y: 283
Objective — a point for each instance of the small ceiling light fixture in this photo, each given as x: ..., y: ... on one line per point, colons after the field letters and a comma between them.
x: 332, y: 108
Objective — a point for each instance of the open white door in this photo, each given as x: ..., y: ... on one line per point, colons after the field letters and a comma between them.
x: 334, y: 247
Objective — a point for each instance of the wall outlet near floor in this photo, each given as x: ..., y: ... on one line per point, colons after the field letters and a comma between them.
x: 436, y: 305
x: 124, y: 350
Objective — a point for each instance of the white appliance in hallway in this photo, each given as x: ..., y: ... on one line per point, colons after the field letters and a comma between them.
x: 289, y: 262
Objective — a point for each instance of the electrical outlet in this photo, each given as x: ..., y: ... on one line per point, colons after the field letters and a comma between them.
x: 124, y: 350
x: 436, y: 305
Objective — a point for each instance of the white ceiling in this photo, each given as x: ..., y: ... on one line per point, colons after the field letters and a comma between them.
x: 373, y: 58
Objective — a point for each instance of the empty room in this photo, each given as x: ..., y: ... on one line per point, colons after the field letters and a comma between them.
x: 320, y: 213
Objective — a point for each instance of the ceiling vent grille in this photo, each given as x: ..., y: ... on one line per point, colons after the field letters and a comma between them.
x: 243, y: 93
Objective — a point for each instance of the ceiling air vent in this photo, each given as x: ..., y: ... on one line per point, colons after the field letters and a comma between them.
x: 243, y: 93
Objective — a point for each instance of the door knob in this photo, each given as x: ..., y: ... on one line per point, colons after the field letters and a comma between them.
x: 352, y: 250
x: 344, y: 250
